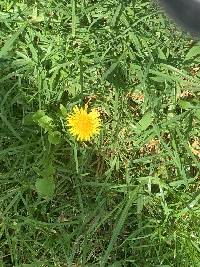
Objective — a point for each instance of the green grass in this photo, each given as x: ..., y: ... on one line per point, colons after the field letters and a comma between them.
x: 131, y: 196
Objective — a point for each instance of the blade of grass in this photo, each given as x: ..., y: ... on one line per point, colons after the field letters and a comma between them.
x: 119, y: 224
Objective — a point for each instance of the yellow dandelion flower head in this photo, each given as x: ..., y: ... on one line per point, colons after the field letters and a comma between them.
x: 83, y: 124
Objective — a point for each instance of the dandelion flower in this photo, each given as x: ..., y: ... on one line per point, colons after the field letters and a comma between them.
x: 83, y: 124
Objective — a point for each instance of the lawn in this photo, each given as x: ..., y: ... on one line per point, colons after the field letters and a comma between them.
x: 130, y: 195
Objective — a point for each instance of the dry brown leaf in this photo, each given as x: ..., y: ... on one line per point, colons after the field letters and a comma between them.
x: 152, y: 147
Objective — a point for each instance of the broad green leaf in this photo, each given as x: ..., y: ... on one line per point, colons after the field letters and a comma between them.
x: 185, y: 104
x: 145, y: 122
x: 193, y: 52
x: 45, y: 187
x: 48, y: 170
x: 161, y: 55
x: 38, y: 115
x: 46, y: 123
x: 63, y: 110
x: 54, y: 137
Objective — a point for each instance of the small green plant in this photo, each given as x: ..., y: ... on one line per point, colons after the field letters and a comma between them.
x: 45, y: 186
x: 46, y: 123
